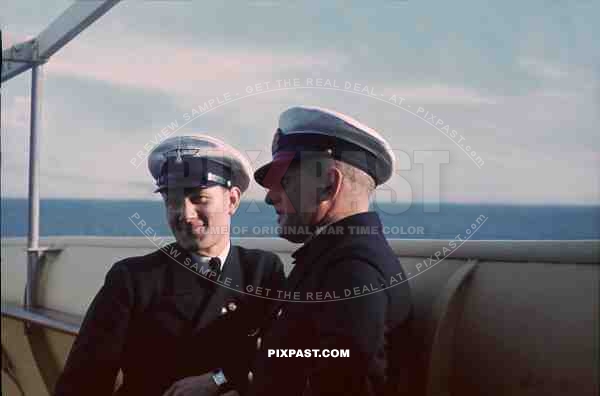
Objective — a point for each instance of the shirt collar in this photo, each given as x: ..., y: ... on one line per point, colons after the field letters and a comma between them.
x: 222, y: 256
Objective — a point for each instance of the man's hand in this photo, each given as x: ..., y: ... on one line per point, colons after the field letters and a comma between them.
x: 202, y: 385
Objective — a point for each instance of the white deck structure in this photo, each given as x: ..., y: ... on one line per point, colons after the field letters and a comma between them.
x: 495, y: 318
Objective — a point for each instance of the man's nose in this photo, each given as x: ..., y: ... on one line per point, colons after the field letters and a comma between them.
x: 188, y: 210
x: 268, y: 199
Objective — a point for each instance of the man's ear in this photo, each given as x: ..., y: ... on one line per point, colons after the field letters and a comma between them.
x: 334, y: 185
x: 235, y: 197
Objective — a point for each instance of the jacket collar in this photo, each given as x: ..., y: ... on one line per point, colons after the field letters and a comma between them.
x: 334, y: 233
x: 185, y: 276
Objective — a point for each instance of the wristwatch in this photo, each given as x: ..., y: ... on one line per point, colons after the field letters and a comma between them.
x: 219, y: 378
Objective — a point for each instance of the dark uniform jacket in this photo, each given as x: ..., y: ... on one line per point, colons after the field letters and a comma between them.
x: 372, y: 304
x: 159, y: 322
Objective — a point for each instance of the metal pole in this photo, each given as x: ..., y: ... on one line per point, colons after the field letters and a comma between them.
x: 34, y: 188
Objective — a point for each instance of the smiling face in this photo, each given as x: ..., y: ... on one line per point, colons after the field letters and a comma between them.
x: 200, y: 217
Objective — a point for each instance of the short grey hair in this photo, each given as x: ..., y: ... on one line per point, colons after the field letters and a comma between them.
x: 358, y: 178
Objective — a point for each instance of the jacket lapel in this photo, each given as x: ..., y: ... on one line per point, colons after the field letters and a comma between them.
x: 300, y: 272
x: 305, y: 262
x: 186, y: 292
x: 222, y: 294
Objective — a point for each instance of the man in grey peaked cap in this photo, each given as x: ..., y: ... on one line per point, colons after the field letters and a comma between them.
x: 177, y: 312
x: 324, y: 169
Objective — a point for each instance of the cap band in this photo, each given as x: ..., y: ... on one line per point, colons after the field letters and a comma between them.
x: 337, y: 148
x: 304, y: 129
x: 193, y: 172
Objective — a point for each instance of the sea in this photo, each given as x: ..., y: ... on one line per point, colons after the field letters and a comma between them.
x: 84, y: 217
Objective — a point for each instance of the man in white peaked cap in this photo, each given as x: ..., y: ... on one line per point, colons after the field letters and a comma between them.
x: 353, y: 294
x: 178, y: 312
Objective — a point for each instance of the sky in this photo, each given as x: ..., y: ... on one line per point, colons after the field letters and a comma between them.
x: 482, y: 103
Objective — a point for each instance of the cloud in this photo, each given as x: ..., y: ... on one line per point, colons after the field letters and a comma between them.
x: 179, y: 69
x: 440, y: 94
x: 540, y: 68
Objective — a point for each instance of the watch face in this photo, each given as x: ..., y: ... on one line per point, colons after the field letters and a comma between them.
x: 219, y: 378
